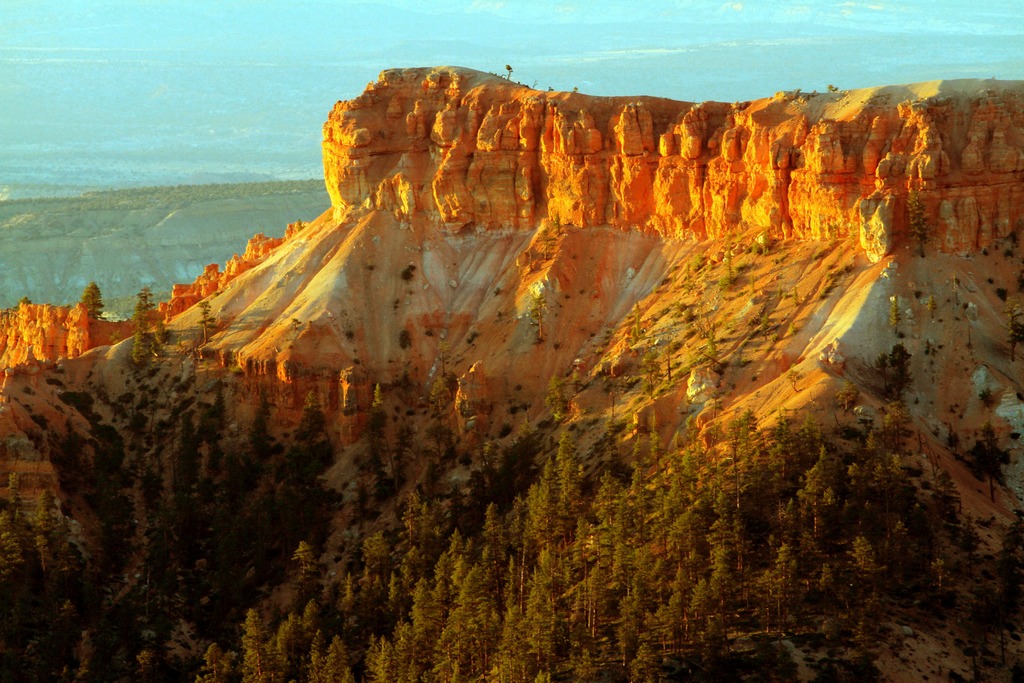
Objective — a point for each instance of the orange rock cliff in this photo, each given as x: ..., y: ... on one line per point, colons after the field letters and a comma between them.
x: 445, y: 183
x: 467, y: 149
x: 44, y: 333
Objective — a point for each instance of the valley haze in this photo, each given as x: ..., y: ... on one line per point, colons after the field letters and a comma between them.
x: 117, y: 93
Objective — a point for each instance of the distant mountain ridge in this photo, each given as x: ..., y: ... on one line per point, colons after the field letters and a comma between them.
x: 126, y: 239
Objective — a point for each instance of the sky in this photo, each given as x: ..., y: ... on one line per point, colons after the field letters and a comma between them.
x: 111, y: 93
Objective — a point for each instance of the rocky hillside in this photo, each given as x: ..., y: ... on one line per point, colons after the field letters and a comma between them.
x: 543, y: 345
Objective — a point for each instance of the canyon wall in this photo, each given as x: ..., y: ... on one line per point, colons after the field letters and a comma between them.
x: 471, y: 150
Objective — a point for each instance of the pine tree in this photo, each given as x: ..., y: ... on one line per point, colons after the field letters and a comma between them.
x: 514, y: 663
x: 186, y: 461
x: 376, y: 575
x: 43, y: 529
x: 336, y: 666
x: 865, y: 565
x: 330, y: 663
x: 312, y: 433
x: 646, y: 666
x: 439, y: 395
x: 291, y: 646
x: 630, y: 627
x: 899, y: 362
x: 92, y: 300
x: 376, y: 425
x: 422, y: 535
x: 143, y: 339
x: 311, y: 619
x: 723, y: 569
x: 846, y: 397
x: 494, y: 553
x: 160, y: 334
x: 782, y: 583
x: 1014, y: 325
x: 881, y: 367
x: 917, y: 222
x: 258, y: 664
x: 542, y: 623
x: 471, y: 635
x: 259, y: 431
x: 206, y: 320
x: 217, y: 666
x: 895, y: 316
x: 309, y: 569
x: 650, y: 366
x: 988, y: 456
x: 537, y: 308
x: 347, y: 605
x: 14, y: 493
x: 677, y: 612
x: 569, y: 473
x: 381, y: 662
x: 12, y: 557
x: 819, y: 495
x: 443, y: 348
x: 555, y: 399
x: 636, y: 330
x: 702, y: 605
x: 541, y: 527
x: 427, y: 622
x: 146, y: 665
x: 317, y: 669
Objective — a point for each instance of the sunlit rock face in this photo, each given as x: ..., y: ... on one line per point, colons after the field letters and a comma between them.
x: 471, y: 150
x: 41, y: 333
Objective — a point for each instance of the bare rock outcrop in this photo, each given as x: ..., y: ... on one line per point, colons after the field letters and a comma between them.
x: 472, y: 398
x: 355, y: 395
x: 34, y: 333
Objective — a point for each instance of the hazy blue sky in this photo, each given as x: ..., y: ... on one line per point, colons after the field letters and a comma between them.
x: 112, y: 92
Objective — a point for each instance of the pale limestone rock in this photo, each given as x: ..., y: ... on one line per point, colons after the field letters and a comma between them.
x: 1011, y: 409
x: 865, y: 414
x: 831, y: 355
x: 701, y: 384
x: 876, y: 219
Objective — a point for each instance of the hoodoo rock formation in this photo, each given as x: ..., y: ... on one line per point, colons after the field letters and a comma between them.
x: 469, y: 150
x: 45, y: 333
x: 212, y: 279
